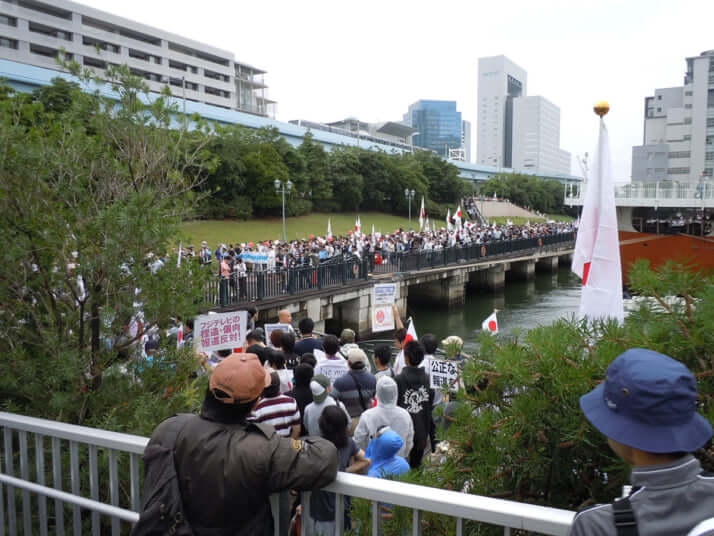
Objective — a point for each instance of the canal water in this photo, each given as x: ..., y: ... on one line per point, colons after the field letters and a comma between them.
x: 521, y: 304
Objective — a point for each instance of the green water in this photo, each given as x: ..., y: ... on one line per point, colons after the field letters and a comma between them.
x: 521, y: 304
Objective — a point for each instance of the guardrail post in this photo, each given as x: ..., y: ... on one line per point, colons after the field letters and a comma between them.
x: 261, y: 285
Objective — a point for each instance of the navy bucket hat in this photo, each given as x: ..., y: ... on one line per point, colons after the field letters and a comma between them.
x: 648, y: 401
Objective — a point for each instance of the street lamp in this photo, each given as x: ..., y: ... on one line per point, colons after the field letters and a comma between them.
x: 282, y: 187
x: 409, y: 194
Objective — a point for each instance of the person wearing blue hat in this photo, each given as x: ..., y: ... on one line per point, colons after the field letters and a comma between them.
x: 646, y: 407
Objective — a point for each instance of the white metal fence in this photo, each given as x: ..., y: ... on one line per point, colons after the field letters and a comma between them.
x: 84, y: 464
x: 662, y: 194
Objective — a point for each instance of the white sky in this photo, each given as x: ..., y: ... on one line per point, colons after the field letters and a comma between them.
x: 327, y: 60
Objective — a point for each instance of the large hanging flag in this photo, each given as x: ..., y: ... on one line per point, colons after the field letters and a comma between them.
x: 596, y: 259
x: 448, y: 219
x: 490, y: 325
x: 421, y: 214
x: 329, y: 228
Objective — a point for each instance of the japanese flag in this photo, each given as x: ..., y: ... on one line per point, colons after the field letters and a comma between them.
x: 457, y: 217
x: 421, y: 214
x: 179, y: 337
x: 400, y: 362
x: 448, y: 219
x: 490, y: 325
x: 596, y: 259
x: 358, y: 225
x: 329, y: 228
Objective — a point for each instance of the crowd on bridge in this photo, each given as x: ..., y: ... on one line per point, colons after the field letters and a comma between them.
x: 246, y: 257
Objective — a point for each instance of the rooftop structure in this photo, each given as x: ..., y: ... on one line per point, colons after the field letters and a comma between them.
x: 35, y: 32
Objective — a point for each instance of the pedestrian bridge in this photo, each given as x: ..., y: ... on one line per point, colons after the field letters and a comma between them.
x: 64, y: 479
x: 341, y: 291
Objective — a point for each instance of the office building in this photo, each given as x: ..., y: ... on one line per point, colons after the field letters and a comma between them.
x: 678, y: 141
x: 438, y: 125
x: 34, y: 32
x: 536, y: 137
x: 499, y: 82
x: 466, y: 139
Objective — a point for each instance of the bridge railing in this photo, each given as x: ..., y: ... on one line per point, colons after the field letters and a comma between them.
x: 693, y: 192
x: 60, y: 478
x: 261, y: 285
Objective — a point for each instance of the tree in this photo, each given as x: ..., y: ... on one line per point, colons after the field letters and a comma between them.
x: 88, y: 192
x: 317, y: 181
x: 527, y: 191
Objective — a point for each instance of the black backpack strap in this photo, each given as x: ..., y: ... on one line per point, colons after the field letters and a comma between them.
x: 359, y: 391
x: 625, y: 520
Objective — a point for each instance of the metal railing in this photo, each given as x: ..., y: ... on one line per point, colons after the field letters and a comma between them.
x: 88, y: 468
x: 261, y: 285
x: 666, y: 193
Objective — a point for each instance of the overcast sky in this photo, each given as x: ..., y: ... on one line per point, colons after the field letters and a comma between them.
x: 327, y: 60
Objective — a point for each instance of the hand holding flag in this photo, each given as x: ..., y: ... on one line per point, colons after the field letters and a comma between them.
x: 490, y: 325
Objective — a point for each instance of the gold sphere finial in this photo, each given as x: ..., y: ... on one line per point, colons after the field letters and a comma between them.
x: 601, y: 108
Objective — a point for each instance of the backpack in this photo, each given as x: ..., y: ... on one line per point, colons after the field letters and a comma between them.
x: 162, y: 510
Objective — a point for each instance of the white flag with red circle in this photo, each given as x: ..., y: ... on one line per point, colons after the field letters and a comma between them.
x: 490, y: 325
x: 596, y: 259
x: 421, y: 214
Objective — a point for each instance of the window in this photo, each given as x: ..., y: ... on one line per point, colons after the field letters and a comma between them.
x: 145, y: 56
x: 709, y: 155
x: 678, y: 171
x: 6, y: 42
x: 48, y: 52
x: 679, y: 154
x: 659, y: 97
x: 145, y: 74
x: 688, y: 93
x: 46, y: 9
x: 198, y: 54
x: 49, y: 31
x: 93, y: 62
x: 687, y: 120
x: 710, y: 122
x: 8, y: 20
x: 687, y: 137
x: 215, y: 76
x: 124, y: 32
x: 659, y: 109
x: 183, y: 66
x: 218, y: 92
x: 102, y: 45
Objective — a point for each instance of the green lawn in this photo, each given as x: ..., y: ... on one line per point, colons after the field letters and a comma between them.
x: 231, y: 231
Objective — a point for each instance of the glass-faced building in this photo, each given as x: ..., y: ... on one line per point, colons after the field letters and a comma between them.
x: 438, y: 125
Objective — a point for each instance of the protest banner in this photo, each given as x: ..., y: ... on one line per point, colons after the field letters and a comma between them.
x: 382, y: 318
x: 220, y: 331
x: 384, y: 294
x: 254, y: 258
x: 443, y: 373
x: 269, y: 328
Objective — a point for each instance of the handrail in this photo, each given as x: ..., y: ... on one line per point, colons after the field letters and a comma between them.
x: 542, y: 519
x: 463, y: 506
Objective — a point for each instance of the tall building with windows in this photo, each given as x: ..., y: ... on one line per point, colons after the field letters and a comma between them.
x: 466, y: 139
x: 500, y: 81
x: 536, y: 137
x: 438, y: 125
x: 34, y: 32
x: 678, y: 141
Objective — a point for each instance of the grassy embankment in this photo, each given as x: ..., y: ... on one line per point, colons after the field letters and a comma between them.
x: 231, y: 231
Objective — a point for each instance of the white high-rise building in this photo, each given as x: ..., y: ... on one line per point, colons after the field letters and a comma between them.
x: 499, y: 82
x: 466, y: 139
x: 678, y: 142
x: 536, y: 137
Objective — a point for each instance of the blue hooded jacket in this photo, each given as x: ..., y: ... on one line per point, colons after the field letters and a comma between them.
x: 382, y: 451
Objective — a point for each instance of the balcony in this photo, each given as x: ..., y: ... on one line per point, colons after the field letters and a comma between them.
x: 91, y: 498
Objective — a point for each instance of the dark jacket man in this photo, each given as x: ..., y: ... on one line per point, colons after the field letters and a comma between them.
x: 417, y: 398
x: 228, y: 466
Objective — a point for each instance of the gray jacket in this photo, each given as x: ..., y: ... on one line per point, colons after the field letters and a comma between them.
x: 672, y: 498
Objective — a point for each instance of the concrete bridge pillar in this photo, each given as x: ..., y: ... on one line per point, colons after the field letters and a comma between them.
x: 493, y: 278
x: 547, y: 265
x: 523, y: 270
x: 445, y: 292
x: 565, y: 260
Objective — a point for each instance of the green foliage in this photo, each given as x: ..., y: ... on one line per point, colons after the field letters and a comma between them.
x: 89, y: 187
x: 519, y: 432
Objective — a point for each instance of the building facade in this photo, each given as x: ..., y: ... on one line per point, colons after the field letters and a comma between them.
x: 466, y: 139
x: 438, y: 125
x: 36, y: 32
x: 678, y: 141
x: 536, y: 137
x: 499, y: 82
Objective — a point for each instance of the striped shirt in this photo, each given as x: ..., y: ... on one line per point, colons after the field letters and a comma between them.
x: 280, y: 411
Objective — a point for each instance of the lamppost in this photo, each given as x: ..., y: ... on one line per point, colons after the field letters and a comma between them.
x: 409, y: 194
x: 282, y: 187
